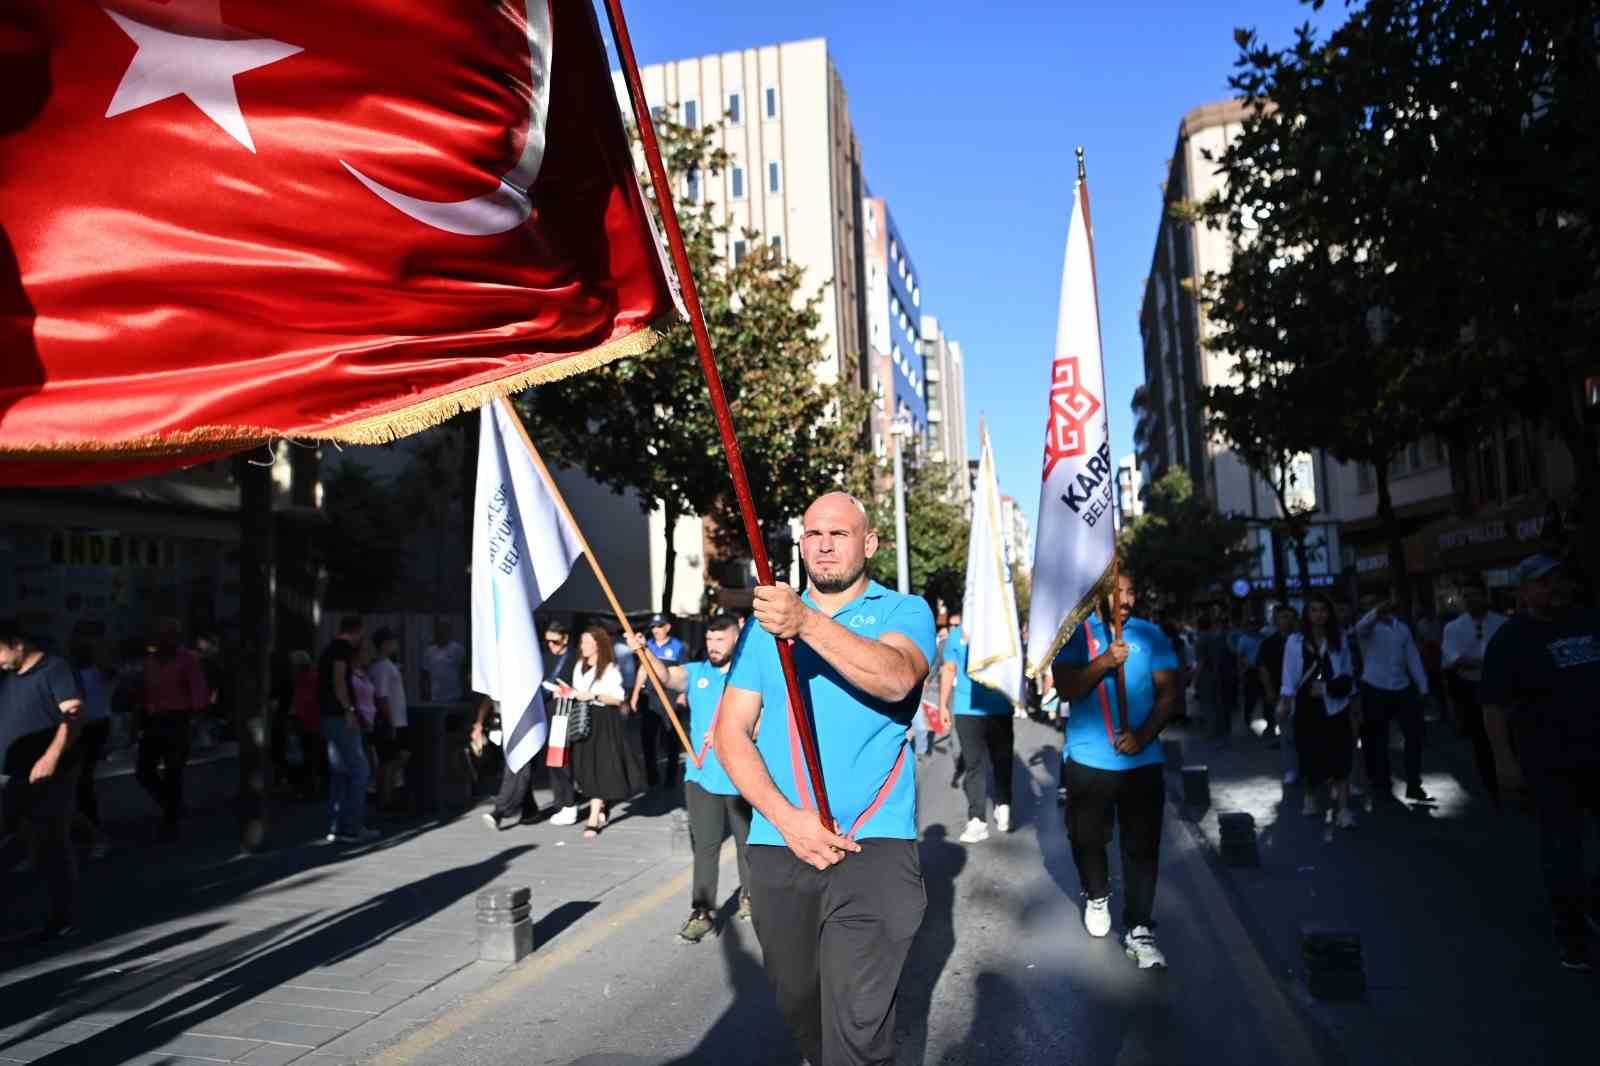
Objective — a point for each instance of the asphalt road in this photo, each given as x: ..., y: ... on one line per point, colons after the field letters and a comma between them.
x: 1002, y: 971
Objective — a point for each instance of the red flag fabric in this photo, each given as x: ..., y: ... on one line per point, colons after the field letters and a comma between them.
x: 228, y: 221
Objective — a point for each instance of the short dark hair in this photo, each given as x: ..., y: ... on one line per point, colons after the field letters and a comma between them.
x: 13, y: 635
x: 350, y: 623
x: 721, y: 622
x: 558, y: 627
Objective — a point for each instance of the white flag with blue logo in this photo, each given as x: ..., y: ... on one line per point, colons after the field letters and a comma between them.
x: 989, y: 603
x: 523, y: 549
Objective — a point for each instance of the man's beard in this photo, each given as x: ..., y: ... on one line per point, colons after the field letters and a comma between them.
x: 831, y: 585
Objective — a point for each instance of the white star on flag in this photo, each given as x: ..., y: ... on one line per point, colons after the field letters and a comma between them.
x: 200, y: 67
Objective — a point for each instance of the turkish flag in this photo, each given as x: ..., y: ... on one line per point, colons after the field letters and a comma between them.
x: 228, y: 221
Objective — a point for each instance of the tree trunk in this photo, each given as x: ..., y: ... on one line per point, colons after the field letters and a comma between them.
x: 1280, y: 576
x: 670, y: 557
x: 1302, y: 560
x: 253, y: 722
x: 1399, y: 578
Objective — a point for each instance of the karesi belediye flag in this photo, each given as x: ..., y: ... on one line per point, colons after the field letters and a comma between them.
x: 1076, y: 544
x: 522, y: 551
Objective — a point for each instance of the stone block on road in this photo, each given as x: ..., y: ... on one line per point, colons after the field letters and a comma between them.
x: 1197, y: 787
x: 505, y: 931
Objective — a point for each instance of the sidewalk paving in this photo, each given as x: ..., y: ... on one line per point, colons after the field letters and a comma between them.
x: 1448, y: 898
x: 193, y: 952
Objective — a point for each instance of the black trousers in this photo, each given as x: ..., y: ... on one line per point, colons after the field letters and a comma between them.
x: 91, y: 749
x: 515, y: 798
x: 1379, y: 707
x: 711, y: 818
x: 1252, y: 695
x: 1469, y: 716
x: 40, y: 813
x: 834, y: 943
x: 986, y: 742
x: 1560, y: 797
x: 1134, y: 798
x: 658, y: 740
x: 163, y: 752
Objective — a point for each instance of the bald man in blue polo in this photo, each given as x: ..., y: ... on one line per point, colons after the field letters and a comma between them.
x: 835, y: 910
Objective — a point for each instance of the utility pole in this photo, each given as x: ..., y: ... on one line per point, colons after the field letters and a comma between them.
x: 252, y: 722
x: 901, y: 432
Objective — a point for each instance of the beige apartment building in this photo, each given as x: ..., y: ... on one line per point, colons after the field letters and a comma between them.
x: 947, y: 400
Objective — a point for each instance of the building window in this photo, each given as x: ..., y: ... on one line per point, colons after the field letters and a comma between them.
x: 776, y: 244
x: 772, y: 101
x: 692, y: 185
x: 735, y: 109
x: 774, y: 177
x: 736, y: 182
x: 739, y: 250
x: 691, y: 114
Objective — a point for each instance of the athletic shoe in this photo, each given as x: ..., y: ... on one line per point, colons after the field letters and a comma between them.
x: 1414, y: 792
x: 1575, y: 956
x: 365, y: 836
x: 1097, y: 916
x: 565, y: 816
x: 1347, y: 819
x: 697, y: 927
x: 1290, y: 777
x: 1002, y: 817
x: 488, y: 819
x: 1061, y: 796
x: 331, y: 838
x: 1308, y: 806
x: 1140, y: 946
x: 744, y: 906
x: 977, y: 830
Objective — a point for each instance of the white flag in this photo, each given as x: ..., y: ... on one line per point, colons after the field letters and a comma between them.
x: 1075, y: 545
x: 522, y: 551
x: 989, y: 605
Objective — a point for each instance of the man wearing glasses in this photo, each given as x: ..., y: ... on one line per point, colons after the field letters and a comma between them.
x: 1465, y: 639
x: 515, y: 802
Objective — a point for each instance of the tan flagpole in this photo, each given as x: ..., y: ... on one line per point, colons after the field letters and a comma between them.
x: 594, y: 564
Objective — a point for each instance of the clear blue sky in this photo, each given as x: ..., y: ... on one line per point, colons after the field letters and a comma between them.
x: 968, y: 115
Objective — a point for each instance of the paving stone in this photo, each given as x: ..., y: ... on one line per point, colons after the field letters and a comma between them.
x: 195, y: 1045
x: 29, y: 1050
x: 275, y: 1055
x: 281, y: 1032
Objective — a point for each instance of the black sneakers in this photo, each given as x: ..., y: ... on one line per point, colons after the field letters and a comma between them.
x: 1575, y: 955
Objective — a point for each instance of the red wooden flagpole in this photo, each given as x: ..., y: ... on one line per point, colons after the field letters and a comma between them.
x: 719, y: 402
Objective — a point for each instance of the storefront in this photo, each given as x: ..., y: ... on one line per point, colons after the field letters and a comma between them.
x: 1487, y: 547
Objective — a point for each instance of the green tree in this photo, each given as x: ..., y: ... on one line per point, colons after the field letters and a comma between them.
x: 647, y: 423
x: 356, y: 543
x: 1180, y: 548
x: 936, y: 534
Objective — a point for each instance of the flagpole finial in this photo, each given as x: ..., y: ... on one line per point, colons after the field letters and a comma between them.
x: 1081, y: 173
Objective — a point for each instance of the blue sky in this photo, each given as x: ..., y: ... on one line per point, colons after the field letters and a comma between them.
x: 968, y: 115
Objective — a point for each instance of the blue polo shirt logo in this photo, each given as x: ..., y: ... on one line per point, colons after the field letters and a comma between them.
x: 871, y: 787
x: 702, y: 683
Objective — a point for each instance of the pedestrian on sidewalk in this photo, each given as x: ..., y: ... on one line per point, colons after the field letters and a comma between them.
x: 340, y: 726
x: 1541, y: 673
x: 1393, y: 686
x: 175, y: 694
x: 1115, y: 775
x: 305, y: 710
x: 515, y: 803
x: 1248, y: 643
x: 1269, y: 662
x: 983, y: 720
x: 1318, y: 680
x: 607, y: 766
x: 1227, y: 686
x: 835, y: 908
x: 559, y: 659
x: 40, y: 703
x: 391, y: 737
x: 1207, y: 656
x: 1466, y: 639
x: 946, y: 719
x: 715, y: 806
x: 655, y: 733
x: 444, y: 667
x: 93, y: 738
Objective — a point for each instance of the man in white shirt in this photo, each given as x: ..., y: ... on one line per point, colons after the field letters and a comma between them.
x: 443, y: 668
x: 1393, y: 684
x: 393, y: 743
x: 1465, y: 639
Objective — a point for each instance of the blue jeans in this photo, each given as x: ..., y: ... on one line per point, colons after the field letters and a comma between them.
x: 347, y: 777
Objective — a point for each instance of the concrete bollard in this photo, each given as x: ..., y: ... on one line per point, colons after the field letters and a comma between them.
x: 505, y: 932
x: 1237, y: 830
x: 1197, y: 787
x: 1332, y: 961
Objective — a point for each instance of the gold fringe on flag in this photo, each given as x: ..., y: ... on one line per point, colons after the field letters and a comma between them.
x: 1103, y: 587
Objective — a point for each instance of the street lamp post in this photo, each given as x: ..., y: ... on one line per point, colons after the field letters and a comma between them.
x: 901, y: 432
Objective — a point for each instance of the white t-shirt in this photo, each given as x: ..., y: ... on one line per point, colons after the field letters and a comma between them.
x: 391, y: 687
x: 609, y: 684
x: 443, y: 664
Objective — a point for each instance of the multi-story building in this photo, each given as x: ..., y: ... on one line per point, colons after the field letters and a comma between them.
x: 1130, y: 490
x: 893, y: 294
x: 946, y: 393
x: 1018, y: 534
x: 794, y: 177
x: 1180, y: 362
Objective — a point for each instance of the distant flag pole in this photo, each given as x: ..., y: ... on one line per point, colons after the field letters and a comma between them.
x: 1075, y: 564
x: 719, y: 402
x: 599, y: 574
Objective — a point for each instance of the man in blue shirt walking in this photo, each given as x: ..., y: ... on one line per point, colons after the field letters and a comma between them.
x: 835, y: 908
x: 715, y: 806
x: 1117, y: 773
x: 655, y: 734
x: 983, y: 725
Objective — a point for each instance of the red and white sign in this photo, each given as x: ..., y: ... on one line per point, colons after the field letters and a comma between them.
x: 1071, y: 408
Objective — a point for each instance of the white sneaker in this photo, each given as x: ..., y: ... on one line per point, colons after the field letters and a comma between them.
x: 1140, y: 946
x: 1002, y: 817
x: 565, y: 816
x: 489, y: 820
x: 1347, y: 819
x: 977, y: 830
x: 1308, y: 806
x: 1097, y: 916
x: 1290, y: 777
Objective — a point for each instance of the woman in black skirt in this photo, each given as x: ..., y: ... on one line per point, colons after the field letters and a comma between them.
x: 1318, y: 681
x: 605, y: 764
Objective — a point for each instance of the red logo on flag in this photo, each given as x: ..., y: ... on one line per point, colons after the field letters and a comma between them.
x: 1071, y: 407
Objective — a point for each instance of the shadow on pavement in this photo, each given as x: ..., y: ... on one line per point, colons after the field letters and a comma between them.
x: 942, y: 862
x: 750, y: 1031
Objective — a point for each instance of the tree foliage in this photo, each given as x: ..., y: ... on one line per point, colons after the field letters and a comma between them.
x: 1180, y: 548
x: 937, y: 527
x: 356, y: 544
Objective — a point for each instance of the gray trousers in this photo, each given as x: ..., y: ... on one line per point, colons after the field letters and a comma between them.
x: 711, y: 819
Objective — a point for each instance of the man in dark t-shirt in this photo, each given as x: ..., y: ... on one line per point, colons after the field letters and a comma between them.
x: 39, y: 704
x: 1541, y: 673
x: 1269, y: 665
x: 347, y: 755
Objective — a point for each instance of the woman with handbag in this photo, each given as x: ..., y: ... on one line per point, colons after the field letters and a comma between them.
x: 606, y: 766
x: 1318, y: 681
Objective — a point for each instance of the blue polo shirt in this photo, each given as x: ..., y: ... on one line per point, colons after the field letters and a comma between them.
x: 704, y: 693
x: 670, y: 652
x: 967, y: 697
x: 861, y: 740
x: 1091, y: 729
